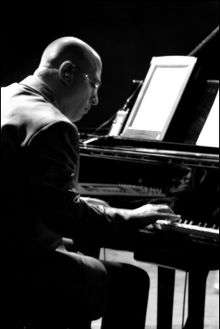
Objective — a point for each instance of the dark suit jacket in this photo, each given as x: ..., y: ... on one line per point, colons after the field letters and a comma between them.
x: 40, y: 172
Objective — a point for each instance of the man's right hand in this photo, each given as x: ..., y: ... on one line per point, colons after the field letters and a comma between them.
x: 151, y: 213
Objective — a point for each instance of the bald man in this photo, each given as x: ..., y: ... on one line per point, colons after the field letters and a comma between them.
x: 50, y: 234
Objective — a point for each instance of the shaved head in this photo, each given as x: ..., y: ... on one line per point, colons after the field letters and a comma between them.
x: 72, y: 70
x: 69, y: 49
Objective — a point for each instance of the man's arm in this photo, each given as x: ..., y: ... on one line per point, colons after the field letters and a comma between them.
x: 53, y: 172
x: 52, y: 163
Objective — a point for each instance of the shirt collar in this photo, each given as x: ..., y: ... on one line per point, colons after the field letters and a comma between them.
x: 39, y: 86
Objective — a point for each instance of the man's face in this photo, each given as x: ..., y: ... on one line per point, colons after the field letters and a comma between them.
x: 85, y: 93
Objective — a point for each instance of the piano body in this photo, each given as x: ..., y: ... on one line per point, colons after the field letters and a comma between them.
x: 129, y: 173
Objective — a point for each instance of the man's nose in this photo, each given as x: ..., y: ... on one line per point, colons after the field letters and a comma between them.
x: 94, y: 99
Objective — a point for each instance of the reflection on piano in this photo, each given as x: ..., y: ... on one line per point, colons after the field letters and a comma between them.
x: 179, y: 173
x: 201, y: 231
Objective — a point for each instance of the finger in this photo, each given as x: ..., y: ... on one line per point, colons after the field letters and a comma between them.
x: 164, y: 216
x: 165, y: 208
x: 170, y: 217
x: 153, y: 227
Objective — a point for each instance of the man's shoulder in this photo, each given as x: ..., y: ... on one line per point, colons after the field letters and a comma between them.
x: 46, y: 119
x: 24, y: 103
x: 30, y: 112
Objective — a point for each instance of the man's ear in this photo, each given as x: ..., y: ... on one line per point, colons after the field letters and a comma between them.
x: 66, y: 72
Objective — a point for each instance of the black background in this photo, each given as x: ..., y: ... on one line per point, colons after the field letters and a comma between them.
x: 125, y: 33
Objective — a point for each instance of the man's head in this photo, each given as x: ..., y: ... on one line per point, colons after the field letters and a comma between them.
x: 72, y: 69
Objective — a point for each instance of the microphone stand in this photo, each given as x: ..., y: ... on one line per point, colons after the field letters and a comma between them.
x: 120, y: 115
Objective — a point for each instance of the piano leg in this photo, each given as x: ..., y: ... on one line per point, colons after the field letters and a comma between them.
x: 166, y: 282
x: 196, y: 302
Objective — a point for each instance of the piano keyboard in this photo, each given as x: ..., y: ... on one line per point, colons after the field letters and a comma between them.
x: 196, y: 231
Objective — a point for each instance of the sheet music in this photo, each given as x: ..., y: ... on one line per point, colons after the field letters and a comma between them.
x: 161, y: 97
x: 210, y: 133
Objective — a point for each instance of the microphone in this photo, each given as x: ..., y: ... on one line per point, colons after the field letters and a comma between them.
x: 138, y: 81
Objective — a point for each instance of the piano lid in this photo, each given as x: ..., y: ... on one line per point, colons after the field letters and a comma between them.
x: 207, y: 50
x: 192, y: 116
x: 200, y: 98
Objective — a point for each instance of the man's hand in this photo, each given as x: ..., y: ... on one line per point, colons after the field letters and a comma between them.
x: 151, y: 213
x: 95, y: 201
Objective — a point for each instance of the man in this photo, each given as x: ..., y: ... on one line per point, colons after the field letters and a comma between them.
x: 48, y: 231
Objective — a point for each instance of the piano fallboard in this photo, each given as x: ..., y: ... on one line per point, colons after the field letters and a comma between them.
x: 152, y: 155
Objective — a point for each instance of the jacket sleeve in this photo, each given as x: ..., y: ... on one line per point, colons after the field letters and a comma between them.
x: 53, y: 162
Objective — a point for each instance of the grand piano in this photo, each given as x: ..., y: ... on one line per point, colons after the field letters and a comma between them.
x: 181, y: 170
